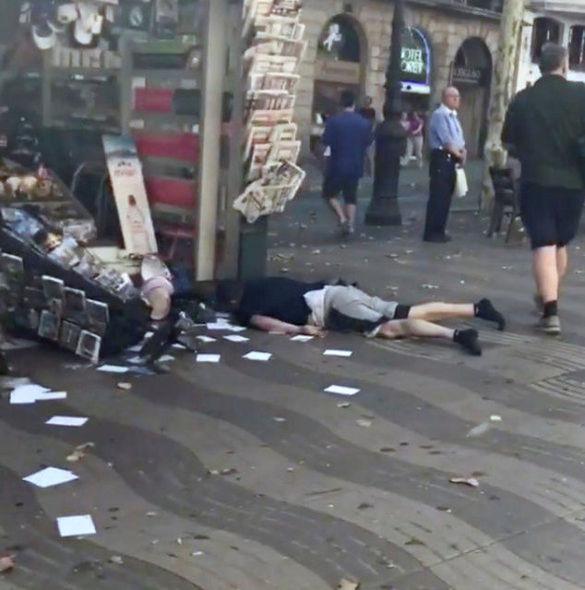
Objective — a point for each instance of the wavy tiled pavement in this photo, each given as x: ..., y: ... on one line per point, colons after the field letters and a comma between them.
x: 247, y: 476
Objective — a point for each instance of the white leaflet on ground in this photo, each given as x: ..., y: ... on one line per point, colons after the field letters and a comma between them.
x: 66, y: 421
x: 51, y: 395
x: 112, y: 369
x: 258, y: 356
x: 236, y: 338
x: 342, y: 353
x: 208, y: 358
x: 206, y: 339
x: 342, y: 390
x: 51, y: 476
x: 302, y: 338
x: 166, y: 358
x: 478, y: 430
x: 75, y: 526
x: 27, y: 394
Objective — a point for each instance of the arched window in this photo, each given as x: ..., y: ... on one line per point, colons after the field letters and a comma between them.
x: 340, y: 40
x: 546, y: 30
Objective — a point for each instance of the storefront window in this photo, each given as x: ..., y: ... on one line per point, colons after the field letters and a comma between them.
x: 340, y: 41
x: 546, y: 30
x: 577, y: 48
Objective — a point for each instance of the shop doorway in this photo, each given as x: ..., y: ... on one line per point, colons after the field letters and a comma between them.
x: 340, y: 66
x: 471, y: 73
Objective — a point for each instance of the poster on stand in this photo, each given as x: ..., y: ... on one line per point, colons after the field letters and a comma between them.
x: 130, y: 194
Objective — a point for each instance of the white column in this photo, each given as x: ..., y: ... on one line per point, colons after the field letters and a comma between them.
x: 214, y: 67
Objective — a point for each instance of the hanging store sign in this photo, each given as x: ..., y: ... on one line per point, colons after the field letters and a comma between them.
x: 469, y: 76
x: 415, y: 62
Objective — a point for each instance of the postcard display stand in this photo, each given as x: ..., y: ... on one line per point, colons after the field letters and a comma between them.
x: 66, y: 296
x: 275, y: 47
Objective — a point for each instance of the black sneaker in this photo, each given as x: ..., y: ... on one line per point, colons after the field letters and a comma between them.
x: 485, y: 310
x: 469, y: 340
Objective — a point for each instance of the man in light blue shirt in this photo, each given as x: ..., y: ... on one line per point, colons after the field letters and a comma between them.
x: 447, y: 150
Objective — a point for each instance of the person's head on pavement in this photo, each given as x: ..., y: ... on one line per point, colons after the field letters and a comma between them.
x: 347, y: 100
x: 554, y: 60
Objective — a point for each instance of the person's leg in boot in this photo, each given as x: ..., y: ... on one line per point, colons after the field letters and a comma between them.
x: 412, y: 328
x: 546, y: 276
x: 437, y: 311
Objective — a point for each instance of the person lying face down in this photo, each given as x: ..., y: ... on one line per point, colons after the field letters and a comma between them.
x: 293, y: 307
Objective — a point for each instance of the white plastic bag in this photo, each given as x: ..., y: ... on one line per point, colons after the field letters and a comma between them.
x: 461, y: 186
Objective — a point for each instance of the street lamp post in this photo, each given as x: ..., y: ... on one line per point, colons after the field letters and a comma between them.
x: 390, y: 136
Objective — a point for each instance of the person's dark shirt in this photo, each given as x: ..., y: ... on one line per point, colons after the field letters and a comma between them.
x: 348, y: 135
x: 276, y: 297
x: 543, y: 125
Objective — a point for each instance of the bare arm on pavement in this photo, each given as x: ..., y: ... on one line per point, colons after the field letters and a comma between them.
x: 268, y: 324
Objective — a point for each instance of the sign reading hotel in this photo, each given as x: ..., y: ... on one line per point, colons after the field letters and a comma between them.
x: 415, y: 62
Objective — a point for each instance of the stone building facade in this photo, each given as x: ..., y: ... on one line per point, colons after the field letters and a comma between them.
x: 561, y: 21
x: 460, y: 40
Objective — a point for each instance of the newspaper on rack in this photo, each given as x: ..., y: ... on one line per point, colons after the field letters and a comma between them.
x: 278, y: 184
x: 272, y: 149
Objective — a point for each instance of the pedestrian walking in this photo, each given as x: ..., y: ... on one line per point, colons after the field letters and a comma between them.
x: 447, y: 145
x: 415, y: 140
x: 543, y: 127
x: 347, y: 136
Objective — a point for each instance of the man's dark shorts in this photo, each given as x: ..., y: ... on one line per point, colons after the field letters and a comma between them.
x: 334, y: 185
x: 551, y: 215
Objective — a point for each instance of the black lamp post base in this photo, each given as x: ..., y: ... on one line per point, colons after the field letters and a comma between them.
x: 383, y: 212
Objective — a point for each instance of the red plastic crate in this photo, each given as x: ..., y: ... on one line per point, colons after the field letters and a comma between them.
x: 179, y: 146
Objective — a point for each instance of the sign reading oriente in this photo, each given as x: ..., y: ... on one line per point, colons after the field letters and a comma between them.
x: 415, y: 62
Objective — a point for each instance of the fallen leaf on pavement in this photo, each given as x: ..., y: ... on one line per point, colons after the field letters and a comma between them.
x: 80, y: 452
x: 469, y: 481
x: 7, y: 563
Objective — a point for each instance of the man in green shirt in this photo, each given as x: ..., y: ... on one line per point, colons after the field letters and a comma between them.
x: 542, y: 128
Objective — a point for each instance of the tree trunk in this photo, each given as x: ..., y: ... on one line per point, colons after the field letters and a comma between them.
x: 504, y: 77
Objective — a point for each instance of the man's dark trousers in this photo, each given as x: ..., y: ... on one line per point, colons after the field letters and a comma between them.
x: 442, y: 173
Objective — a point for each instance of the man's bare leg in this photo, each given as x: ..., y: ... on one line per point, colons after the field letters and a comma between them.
x: 395, y: 329
x: 436, y: 311
x: 338, y: 209
x: 350, y: 213
x: 546, y: 272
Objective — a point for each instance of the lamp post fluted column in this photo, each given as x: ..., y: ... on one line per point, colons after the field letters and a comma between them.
x: 390, y: 136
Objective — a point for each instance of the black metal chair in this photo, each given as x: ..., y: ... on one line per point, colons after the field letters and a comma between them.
x: 506, y: 200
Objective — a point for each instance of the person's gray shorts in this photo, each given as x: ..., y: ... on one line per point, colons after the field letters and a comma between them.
x: 350, y: 309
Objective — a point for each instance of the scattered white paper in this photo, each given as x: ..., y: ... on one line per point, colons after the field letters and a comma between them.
x: 51, y: 395
x: 51, y: 476
x: 112, y: 369
x: 26, y: 394
x: 66, y: 421
x: 206, y: 339
x: 258, y: 356
x: 75, y: 526
x: 137, y: 360
x: 495, y: 418
x: 208, y: 358
x: 302, y: 338
x: 478, y: 430
x: 178, y: 346
x: 342, y: 390
x: 224, y: 325
x: 342, y: 353
x: 236, y: 338
x: 136, y: 348
x: 166, y: 358
x: 149, y: 335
